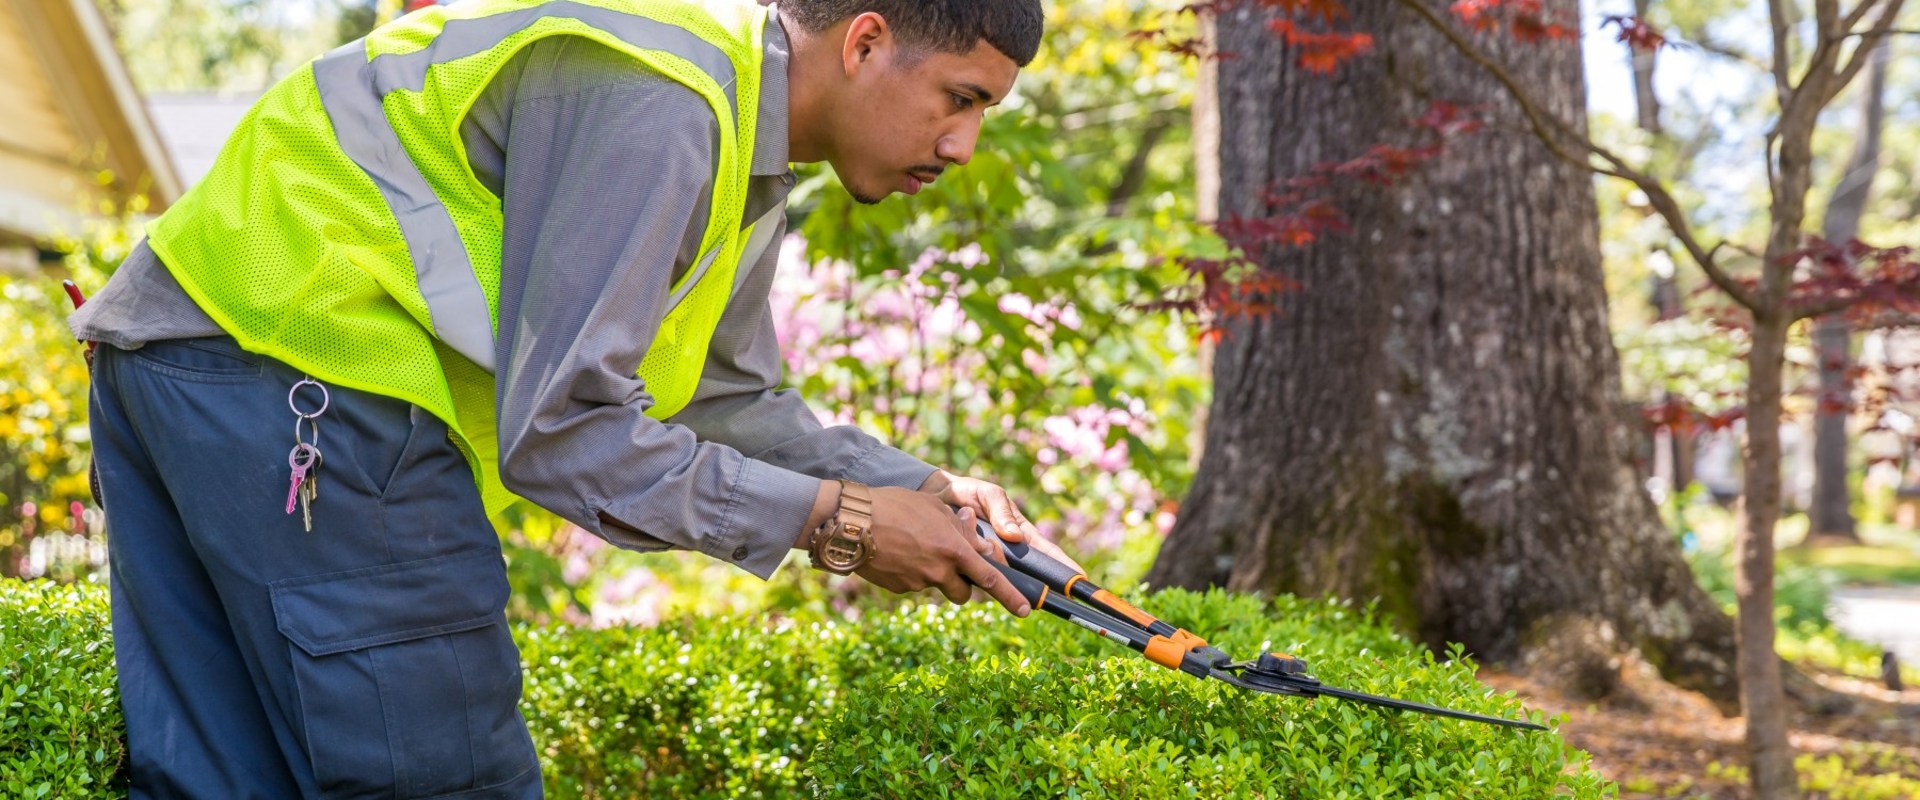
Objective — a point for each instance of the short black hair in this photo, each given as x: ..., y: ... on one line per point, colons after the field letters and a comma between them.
x: 948, y: 26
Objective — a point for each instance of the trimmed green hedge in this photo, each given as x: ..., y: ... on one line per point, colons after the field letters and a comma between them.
x: 929, y: 701
x: 60, y: 729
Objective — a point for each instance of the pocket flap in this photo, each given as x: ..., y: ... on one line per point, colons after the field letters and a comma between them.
x: 342, y: 611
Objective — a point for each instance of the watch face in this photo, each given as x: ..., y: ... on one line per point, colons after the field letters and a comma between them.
x: 844, y: 550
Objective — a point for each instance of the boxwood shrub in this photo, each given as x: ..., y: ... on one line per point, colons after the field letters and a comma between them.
x: 927, y: 701
x: 60, y: 729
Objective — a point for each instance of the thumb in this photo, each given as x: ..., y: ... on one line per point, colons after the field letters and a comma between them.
x: 969, y: 522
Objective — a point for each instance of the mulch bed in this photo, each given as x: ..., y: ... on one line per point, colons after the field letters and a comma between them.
x: 1658, y: 741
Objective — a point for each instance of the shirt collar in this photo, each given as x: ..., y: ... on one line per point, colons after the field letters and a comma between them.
x: 770, y: 135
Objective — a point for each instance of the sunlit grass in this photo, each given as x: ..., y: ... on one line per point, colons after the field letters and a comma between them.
x: 1874, y: 565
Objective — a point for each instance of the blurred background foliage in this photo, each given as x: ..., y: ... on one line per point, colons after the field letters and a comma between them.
x: 49, y: 525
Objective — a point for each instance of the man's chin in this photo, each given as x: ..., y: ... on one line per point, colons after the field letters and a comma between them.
x: 864, y: 198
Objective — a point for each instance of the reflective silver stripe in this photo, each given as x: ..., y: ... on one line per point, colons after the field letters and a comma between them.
x: 460, y: 38
x: 758, y: 243
x: 351, y: 88
x: 762, y: 234
x: 699, y: 271
x: 456, y: 305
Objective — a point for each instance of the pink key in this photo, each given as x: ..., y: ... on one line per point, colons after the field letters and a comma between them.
x: 301, y: 459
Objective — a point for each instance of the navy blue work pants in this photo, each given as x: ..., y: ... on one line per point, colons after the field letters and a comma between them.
x: 369, y: 657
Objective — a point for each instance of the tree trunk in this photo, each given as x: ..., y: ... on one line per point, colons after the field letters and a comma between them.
x: 1432, y: 419
x: 1674, y: 444
x: 1831, y: 518
x: 1762, y: 699
x: 1645, y: 100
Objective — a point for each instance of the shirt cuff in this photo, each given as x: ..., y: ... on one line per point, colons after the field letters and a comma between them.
x: 881, y: 465
x: 765, y: 512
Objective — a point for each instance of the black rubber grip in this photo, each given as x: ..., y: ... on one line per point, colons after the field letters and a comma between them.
x: 1030, y: 561
x: 1028, y: 586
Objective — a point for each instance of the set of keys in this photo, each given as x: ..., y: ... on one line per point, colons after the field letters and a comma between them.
x: 305, y: 458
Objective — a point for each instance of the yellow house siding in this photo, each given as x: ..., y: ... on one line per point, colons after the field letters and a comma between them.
x: 68, y: 116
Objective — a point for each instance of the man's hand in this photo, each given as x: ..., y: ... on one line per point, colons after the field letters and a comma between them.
x: 919, y: 542
x: 992, y: 503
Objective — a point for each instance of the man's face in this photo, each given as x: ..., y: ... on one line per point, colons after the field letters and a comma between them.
x: 906, y: 117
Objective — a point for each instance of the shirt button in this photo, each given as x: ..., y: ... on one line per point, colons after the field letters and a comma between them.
x: 740, y: 553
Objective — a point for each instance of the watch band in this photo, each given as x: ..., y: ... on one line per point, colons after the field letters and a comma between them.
x: 856, y: 504
x: 844, y: 543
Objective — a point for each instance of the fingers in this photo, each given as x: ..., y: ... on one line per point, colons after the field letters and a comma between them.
x: 990, y: 580
x: 957, y: 590
x: 1005, y: 517
x: 1026, y: 525
x: 969, y: 531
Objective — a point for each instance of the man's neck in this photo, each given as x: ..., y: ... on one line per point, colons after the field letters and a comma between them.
x: 813, y: 57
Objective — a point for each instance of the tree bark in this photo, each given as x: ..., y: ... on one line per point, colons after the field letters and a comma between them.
x: 1762, y: 699
x: 1432, y: 420
x: 1646, y: 102
x: 1674, y: 443
x: 1831, y: 518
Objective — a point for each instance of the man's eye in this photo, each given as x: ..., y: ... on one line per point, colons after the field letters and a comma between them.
x: 961, y: 101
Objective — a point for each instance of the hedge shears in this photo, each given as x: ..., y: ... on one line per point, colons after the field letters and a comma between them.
x: 1061, y: 590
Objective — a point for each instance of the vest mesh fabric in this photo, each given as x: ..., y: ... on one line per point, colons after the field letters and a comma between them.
x: 290, y: 246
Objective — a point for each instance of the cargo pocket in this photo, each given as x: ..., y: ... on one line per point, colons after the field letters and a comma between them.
x: 409, y: 682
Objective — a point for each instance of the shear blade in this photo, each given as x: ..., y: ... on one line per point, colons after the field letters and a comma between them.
x: 1316, y: 688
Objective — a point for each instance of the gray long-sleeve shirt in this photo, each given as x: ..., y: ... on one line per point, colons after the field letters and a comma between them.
x: 606, y: 172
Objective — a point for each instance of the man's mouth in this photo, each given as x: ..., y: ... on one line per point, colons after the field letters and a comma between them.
x: 916, y: 180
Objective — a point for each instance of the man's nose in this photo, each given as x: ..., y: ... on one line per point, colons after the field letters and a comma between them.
x: 957, y: 147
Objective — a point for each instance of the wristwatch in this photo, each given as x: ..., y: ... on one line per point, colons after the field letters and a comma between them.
x: 844, y: 542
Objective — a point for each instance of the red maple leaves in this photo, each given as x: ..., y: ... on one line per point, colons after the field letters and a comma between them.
x: 1299, y: 211
x: 1635, y: 33
x: 1527, y: 20
x: 1862, y: 281
x: 1321, y: 52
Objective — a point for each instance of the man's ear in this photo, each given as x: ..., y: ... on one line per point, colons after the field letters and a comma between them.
x: 869, y: 42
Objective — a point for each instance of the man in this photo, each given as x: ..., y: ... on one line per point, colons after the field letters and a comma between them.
x: 499, y: 248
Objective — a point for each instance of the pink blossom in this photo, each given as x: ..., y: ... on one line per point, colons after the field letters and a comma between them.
x: 579, y: 547
x: 971, y: 256
x: 833, y: 417
x: 887, y: 346
x: 1113, y: 459
x: 635, y: 597
x: 887, y: 304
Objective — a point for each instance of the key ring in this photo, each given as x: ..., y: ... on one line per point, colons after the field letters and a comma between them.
x: 314, y: 425
x: 326, y: 398
x: 311, y: 453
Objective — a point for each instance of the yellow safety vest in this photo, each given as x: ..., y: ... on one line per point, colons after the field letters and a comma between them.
x: 343, y: 232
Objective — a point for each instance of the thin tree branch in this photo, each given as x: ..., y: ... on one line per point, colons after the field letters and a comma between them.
x: 1875, y: 38
x: 1782, y: 61
x: 1858, y: 13
x: 1886, y: 320
x: 1726, y: 51
x: 1822, y: 308
x: 1545, y: 126
x: 1134, y: 175
x: 1826, y: 14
